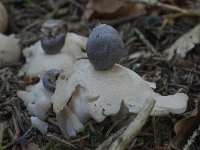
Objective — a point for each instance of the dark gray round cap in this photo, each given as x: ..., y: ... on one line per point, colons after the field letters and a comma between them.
x: 104, y: 47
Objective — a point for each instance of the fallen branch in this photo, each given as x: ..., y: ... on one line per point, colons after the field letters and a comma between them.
x: 134, y: 127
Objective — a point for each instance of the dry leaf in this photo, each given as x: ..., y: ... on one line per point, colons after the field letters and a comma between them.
x: 3, y: 18
x: 185, y: 127
x: 113, y: 9
x: 185, y: 43
x: 183, y: 63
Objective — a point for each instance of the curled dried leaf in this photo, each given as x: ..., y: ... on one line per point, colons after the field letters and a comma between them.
x: 185, y: 128
x: 3, y: 18
x: 113, y: 9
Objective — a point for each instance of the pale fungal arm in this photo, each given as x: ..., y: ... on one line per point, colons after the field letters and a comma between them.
x: 126, y: 85
x: 68, y: 122
x: 134, y: 127
x: 37, y: 100
x: 39, y: 124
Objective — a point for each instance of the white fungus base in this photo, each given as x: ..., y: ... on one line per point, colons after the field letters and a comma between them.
x: 38, y: 62
x: 83, y: 93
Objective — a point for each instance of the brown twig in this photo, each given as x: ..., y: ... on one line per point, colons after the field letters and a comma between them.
x: 7, y: 102
x: 3, y: 86
x: 61, y: 141
x: 19, y: 120
x: 160, y: 4
x: 145, y: 41
x: 132, y: 144
x: 10, y: 133
x: 171, y: 7
x: 80, y: 139
x: 182, y: 14
x: 155, y: 132
x: 114, y: 125
x: 16, y: 141
x: 17, y: 130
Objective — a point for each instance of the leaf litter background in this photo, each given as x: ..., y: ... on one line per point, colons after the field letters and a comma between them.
x: 148, y: 29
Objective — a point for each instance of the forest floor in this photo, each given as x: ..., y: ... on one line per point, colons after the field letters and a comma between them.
x: 170, y: 76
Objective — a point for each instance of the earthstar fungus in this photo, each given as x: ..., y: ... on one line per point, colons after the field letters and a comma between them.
x: 84, y: 91
x: 38, y: 62
x: 54, y: 35
x: 90, y: 93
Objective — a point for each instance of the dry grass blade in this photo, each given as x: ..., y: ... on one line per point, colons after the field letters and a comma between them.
x: 192, y: 13
x: 134, y: 127
x: 109, y: 141
x: 1, y: 132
